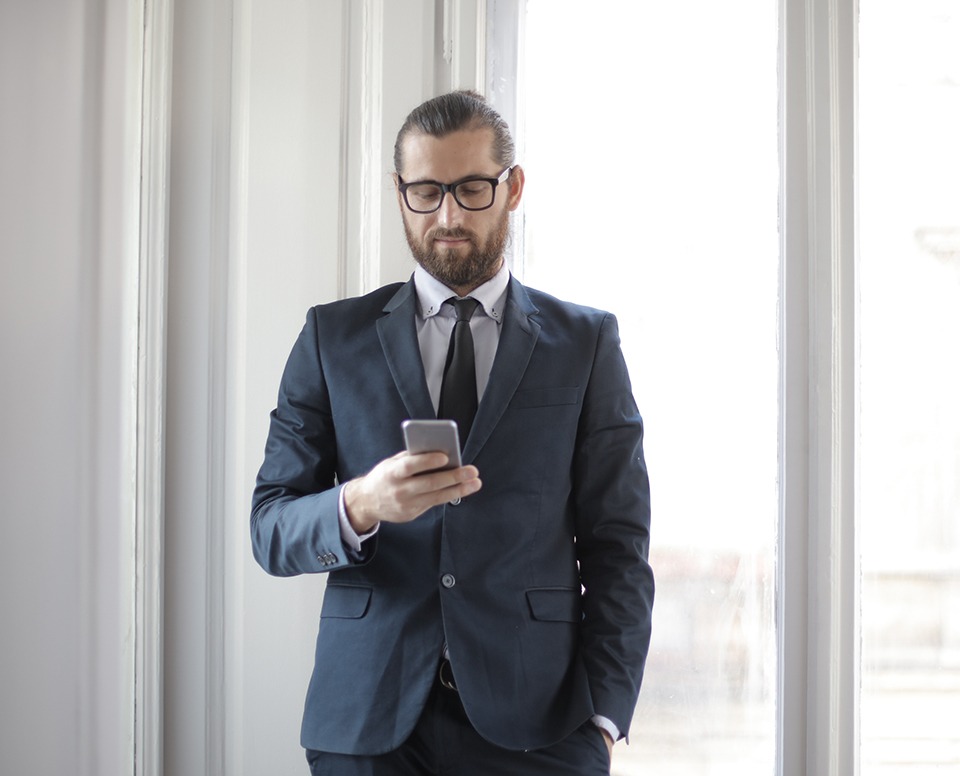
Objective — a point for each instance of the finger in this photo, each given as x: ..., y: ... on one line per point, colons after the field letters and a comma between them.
x: 412, y: 464
x: 444, y: 479
x: 429, y: 490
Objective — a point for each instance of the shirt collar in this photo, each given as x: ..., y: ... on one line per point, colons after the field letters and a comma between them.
x: 492, y: 295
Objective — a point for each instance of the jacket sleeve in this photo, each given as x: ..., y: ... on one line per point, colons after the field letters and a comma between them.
x: 612, y: 495
x: 294, y: 523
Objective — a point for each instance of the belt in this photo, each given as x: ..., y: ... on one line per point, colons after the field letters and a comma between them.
x: 445, y: 674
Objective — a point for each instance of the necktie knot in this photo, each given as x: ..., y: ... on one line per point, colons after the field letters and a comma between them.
x: 465, y: 307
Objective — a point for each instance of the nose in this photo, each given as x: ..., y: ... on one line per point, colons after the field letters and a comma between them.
x: 450, y: 212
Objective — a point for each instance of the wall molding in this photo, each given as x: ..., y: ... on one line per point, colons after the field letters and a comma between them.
x: 218, y: 381
x: 230, y: 676
x: 371, y: 143
x: 157, y: 68
x: 344, y: 219
x: 503, y: 79
x: 463, y: 49
x: 361, y: 147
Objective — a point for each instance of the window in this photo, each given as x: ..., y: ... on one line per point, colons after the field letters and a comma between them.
x: 910, y: 380
x: 666, y: 116
x: 649, y: 138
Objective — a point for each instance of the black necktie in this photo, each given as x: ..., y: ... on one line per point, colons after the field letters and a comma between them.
x: 458, y: 392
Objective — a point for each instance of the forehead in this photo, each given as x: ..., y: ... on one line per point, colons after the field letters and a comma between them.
x: 448, y: 158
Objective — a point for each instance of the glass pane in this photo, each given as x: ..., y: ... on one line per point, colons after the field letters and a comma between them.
x: 909, y: 126
x: 650, y: 147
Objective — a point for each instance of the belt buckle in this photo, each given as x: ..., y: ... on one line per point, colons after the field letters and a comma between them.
x: 446, y: 676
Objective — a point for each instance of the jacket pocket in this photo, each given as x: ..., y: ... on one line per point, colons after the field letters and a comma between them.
x: 554, y: 604
x: 545, y: 397
x: 348, y: 602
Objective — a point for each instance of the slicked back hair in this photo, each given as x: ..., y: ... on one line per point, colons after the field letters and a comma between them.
x: 452, y: 112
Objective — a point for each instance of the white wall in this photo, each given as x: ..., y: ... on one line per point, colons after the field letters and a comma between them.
x: 69, y: 74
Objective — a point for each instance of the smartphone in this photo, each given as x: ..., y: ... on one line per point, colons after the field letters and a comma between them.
x: 431, y: 436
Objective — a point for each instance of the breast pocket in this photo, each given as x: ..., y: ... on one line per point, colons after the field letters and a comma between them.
x: 545, y: 397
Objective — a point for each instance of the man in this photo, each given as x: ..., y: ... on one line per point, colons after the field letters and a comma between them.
x: 468, y: 627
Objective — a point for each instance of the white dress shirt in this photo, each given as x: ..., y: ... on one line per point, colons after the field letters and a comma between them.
x: 435, y: 322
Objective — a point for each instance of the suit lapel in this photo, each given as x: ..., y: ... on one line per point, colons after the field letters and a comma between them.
x: 398, y: 338
x: 517, y: 340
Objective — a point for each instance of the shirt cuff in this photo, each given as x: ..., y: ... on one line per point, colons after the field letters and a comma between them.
x: 605, y: 724
x: 350, y: 538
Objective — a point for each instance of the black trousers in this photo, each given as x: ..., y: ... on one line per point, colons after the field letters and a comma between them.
x: 444, y: 743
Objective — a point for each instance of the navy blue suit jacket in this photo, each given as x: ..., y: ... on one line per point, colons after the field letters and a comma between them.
x: 539, y: 583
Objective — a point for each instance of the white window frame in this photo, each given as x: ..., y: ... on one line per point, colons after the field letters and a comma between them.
x: 818, y: 613
x: 817, y: 590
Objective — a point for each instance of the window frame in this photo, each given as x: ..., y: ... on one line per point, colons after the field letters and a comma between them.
x: 818, y: 596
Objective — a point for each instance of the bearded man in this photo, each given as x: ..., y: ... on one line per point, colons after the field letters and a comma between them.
x: 468, y: 626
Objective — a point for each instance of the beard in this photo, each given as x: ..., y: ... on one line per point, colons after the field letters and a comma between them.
x: 457, y: 271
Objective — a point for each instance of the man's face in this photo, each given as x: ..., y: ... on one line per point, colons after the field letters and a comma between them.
x: 461, y: 248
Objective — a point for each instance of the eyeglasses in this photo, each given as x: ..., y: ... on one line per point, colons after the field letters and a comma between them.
x: 470, y: 193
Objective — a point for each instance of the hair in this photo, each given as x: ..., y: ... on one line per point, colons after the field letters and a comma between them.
x: 464, y: 109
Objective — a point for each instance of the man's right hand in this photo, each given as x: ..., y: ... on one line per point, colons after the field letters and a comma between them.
x: 397, y: 490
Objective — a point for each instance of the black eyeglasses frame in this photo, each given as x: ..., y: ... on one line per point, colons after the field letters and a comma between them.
x: 452, y: 189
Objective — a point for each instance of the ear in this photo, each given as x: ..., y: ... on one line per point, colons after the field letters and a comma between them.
x: 515, y: 183
x: 396, y: 189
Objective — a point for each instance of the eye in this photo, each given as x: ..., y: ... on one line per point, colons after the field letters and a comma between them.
x: 473, y: 188
x: 424, y: 193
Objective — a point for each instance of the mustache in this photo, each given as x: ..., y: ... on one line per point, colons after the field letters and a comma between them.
x: 452, y: 234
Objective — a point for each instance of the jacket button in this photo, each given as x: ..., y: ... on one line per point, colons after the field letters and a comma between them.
x: 448, y: 580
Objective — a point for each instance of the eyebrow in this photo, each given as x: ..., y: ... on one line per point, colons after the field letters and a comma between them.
x: 484, y: 176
